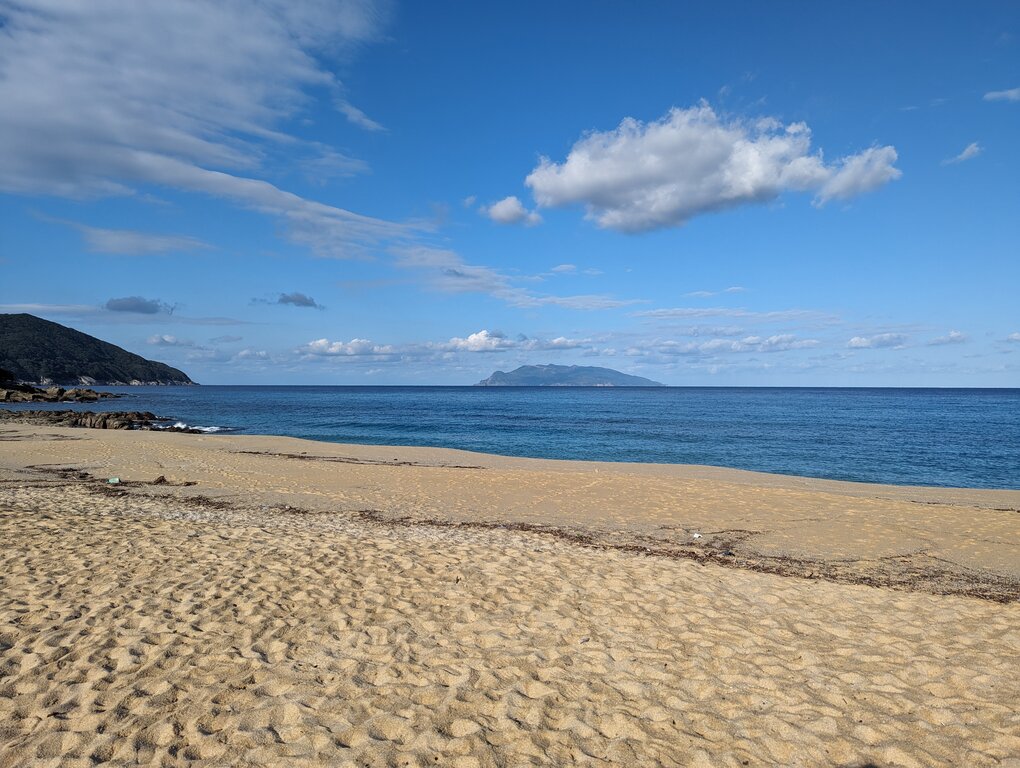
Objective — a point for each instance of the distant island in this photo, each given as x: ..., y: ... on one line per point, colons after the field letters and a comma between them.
x: 41, y: 352
x: 565, y: 376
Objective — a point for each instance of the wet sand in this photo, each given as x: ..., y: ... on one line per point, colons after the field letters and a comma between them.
x: 278, y: 601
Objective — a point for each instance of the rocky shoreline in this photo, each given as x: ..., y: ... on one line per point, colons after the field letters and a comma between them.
x: 138, y: 420
x: 26, y: 393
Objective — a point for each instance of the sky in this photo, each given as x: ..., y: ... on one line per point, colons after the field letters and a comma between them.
x: 730, y: 194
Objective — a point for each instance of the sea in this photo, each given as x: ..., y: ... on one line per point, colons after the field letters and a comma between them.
x: 934, y: 437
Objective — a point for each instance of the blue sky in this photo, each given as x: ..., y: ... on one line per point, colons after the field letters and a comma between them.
x: 388, y: 193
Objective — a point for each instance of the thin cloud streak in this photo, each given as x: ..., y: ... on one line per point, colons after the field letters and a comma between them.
x: 969, y: 152
x: 702, y: 312
x: 1013, y: 94
x: 445, y: 271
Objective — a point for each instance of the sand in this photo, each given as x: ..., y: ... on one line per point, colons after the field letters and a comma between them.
x: 316, y: 604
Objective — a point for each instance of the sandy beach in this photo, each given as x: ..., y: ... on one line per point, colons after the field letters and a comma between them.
x: 275, y: 601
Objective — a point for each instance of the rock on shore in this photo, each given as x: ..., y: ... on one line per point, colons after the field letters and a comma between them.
x: 25, y: 393
x: 143, y: 420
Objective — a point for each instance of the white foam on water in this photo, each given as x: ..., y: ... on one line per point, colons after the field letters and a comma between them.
x: 183, y: 425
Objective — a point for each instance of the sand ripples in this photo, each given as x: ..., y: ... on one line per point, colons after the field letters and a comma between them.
x: 153, y: 630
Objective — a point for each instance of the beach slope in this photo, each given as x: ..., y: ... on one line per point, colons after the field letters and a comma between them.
x: 259, y: 601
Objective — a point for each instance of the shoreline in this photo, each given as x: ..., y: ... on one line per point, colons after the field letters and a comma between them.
x: 13, y: 419
x: 264, y: 601
x: 893, y: 436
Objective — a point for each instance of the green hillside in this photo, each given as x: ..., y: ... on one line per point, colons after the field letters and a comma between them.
x: 40, y: 351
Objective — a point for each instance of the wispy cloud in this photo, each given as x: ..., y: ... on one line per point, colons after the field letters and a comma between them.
x: 445, y: 271
x: 106, y: 98
x: 1013, y: 94
x: 357, y: 117
x: 645, y: 176
x: 709, y: 294
x: 50, y: 309
x: 130, y: 242
x: 972, y: 150
x: 735, y: 312
x: 953, y: 337
x: 128, y: 309
x: 880, y: 340
x: 133, y: 242
x: 783, y: 342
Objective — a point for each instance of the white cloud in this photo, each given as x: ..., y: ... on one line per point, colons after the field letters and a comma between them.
x: 111, y: 96
x: 971, y: 150
x: 564, y: 269
x: 510, y: 210
x: 894, y: 340
x: 352, y: 348
x: 495, y: 341
x: 1013, y: 94
x: 252, y: 354
x: 860, y: 173
x: 482, y: 341
x: 1013, y: 337
x: 953, y: 337
x: 641, y: 176
x: 168, y: 340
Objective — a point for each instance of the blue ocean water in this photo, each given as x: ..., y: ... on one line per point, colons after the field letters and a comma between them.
x: 942, y: 437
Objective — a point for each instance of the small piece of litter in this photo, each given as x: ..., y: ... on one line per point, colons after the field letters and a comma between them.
x: 113, y: 480
x: 695, y: 535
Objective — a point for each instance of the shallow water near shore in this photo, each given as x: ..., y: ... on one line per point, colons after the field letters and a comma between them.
x: 940, y: 437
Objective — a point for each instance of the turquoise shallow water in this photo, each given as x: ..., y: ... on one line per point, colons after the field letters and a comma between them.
x: 946, y: 437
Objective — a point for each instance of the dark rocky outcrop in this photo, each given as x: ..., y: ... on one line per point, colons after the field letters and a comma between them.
x: 41, y: 352
x: 11, y: 392
x: 143, y: 420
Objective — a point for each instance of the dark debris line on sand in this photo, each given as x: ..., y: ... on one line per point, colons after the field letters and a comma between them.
x: 913, y: 573
x: 352, y: 460
x: 918, y: 573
